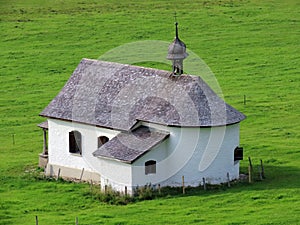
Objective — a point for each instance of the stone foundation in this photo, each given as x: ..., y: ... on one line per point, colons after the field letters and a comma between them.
x: 73, y: 174
x: 43, y: 160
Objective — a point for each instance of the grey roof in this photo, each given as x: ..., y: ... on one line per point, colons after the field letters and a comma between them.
x: 117, y: 96
x: 43, y: 125
x: 129, y: 146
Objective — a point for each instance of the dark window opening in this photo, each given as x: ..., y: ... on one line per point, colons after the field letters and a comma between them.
x: 150, y: 167
x: 75, y: 142
x: 238, y: 153
x: 102, y: 140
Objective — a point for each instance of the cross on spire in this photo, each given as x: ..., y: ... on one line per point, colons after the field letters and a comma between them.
x: 176, y: 24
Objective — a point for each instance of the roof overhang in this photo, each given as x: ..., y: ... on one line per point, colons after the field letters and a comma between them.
x: 43, y: 125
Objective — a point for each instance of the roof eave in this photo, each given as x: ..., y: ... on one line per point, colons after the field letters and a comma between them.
x: 90, y: 124
x: 113, y: 159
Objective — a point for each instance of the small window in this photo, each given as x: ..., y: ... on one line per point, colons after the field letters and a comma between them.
x: 102, y: 140
x: 150, y: 167
x: 75, y: 142
x: 238, y: 153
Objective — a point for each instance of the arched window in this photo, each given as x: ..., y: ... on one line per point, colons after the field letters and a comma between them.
x: 75, y: 142
x: 102, y: 140
x: 150, y: 167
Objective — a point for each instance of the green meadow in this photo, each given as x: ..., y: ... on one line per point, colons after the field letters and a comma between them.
x: 253, y: 49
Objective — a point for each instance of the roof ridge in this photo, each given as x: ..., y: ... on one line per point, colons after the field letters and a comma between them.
x: 142, y: 67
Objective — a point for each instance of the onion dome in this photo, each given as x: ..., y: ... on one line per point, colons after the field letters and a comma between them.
x: 177, y: 49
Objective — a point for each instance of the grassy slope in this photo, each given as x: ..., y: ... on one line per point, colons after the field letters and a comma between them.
x: 251, y: 46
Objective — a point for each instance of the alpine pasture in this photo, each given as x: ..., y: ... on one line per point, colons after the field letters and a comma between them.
x: 251, y: 46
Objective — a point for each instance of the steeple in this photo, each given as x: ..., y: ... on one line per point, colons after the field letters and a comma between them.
x: 177, y: 53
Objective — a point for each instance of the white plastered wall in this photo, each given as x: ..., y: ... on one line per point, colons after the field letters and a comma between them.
x: 193, y: 153
x: 115, y: 174
x: 60, y: 157
x: 190, y: 152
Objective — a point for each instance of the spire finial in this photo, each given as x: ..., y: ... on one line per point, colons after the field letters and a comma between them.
x: 176, y: 25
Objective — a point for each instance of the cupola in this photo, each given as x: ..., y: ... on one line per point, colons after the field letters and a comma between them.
x: 177, y: 53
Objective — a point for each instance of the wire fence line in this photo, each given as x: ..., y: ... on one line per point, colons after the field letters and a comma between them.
x: 37, y: 220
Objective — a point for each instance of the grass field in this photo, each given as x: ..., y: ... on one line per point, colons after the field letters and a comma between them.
x: 251, y: 46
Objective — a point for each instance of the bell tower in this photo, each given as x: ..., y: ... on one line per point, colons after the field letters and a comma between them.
x: 177, y: 53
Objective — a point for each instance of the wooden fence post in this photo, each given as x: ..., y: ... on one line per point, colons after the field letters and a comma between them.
x: 262, y: 169
x: 250, y: 174
x: 183, y: 188
x: 159, y: 189
x: 58, y: 174
x: 228, y: 180
x: 250, y: 163
x: 204, y: 184
x: 250, y: 170
x: 76, y: 221
x: 36, y: 220
x: 125, y: 190
x: 259, y: 173
x: 81, y: 175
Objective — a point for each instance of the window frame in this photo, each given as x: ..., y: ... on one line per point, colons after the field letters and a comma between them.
x: 75, y: 142
x: 150, y: 167
x: 102, y: 140
x: 238, y: 154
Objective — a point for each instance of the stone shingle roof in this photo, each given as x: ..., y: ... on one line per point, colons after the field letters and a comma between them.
x: 43, y: 125
x: 117, y: 96
x: 129, y: 146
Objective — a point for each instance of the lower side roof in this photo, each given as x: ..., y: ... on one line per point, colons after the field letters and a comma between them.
x: 129, y: 146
